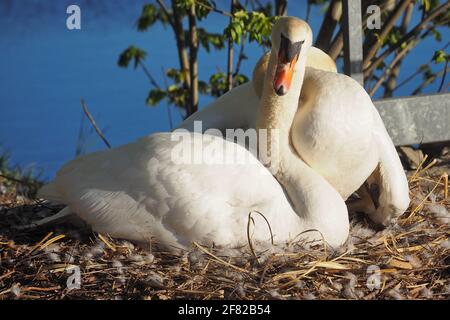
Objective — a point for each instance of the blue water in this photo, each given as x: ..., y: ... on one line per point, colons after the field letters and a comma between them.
x: 46, y: 69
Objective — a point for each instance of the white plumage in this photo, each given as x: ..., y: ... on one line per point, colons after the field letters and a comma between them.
x: 337, y: 131
x: 147, y: 189
x: 137, y: 192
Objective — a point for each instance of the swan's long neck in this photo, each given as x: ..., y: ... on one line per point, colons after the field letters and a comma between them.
x: 305, y: 188
x: 277, y: 114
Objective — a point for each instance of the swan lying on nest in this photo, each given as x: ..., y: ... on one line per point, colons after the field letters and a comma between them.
x: 142, y: 190
x: 337, y: 131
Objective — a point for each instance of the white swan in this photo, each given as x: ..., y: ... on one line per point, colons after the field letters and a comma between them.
x: 337, y: 131
x: 227, y: 112
x: 141, y: 190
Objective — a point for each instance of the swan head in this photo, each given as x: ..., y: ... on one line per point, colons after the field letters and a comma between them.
x: 291, y: 39
x: 316, y: 59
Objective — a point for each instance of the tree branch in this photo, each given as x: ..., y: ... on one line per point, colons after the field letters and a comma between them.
x: 387, y: 27
x: 213, y: 8
x: 427, y: 82
x: 441, y: 86
x: 181, y: 46
x: 393, y: 63
x: 149, y: 75
x: 329, y: 23
x: 413, y: 75
x: 92, y: 121
x: 230, y: 53
x: 169, y: 113
x: 392, y: 80
x: 336, y: 46
x: 193, y: 64
x: 408, y: 36
x: 308, y: 10
x: 241, y: 57
x: 166, y: 12
x: 280, y: 7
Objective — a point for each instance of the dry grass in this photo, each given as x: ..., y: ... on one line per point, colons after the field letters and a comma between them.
x: 412, y: 257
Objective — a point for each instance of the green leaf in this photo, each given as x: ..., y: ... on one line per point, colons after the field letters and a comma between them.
x: 440, y: 56
x: 426, y: 5
x: 155, y: 96
x: 207, y: 39
x: 149, y: 16
x: 175, y: 75
x: 131, y: 53
x: 202, y: 11
x: 437, y: 35
x: 203, y: 87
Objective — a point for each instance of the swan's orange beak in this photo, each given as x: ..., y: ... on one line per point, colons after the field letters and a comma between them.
x: 287, y: 58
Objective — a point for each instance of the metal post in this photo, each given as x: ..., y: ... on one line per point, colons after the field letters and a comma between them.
x: 409, y: 120
x: 353, y: 39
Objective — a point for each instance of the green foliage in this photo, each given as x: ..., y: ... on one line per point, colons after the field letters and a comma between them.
x: 149, y: 16
x: 254, y: 25
x: 394, y: 37
x: 206, y: 40
x: 202, y: 7
x: 440, y: 56
x: 428, y: 74
x: 155, y: 96
x: 381, y: 66
x: 436, y: 35
x: 426, y: 5
x: 246, y: 22
x: 429, y: 5
x: 267, y: 9
x: 175, y: 75
x: 24, y: 181
x: 201, y: 11
x: 129, y: 54
x: 218, y: 83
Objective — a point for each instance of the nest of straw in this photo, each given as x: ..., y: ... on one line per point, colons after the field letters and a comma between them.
x: 409, y: 260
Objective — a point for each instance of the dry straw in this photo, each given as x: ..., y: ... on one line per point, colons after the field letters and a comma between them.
x: 411, y: 259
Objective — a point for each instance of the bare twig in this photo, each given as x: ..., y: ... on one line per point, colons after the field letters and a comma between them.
x: 92, y: 121
x: 392, y: 80
x: 441, y: 86
x: 410, y: 258
x: 444, y: 7
x: 169, y: 113
x: 213, y: 8
x: 149, y: 75
x: 166, y: 12
x: 427, y: 82
x: 391, y: 66
x: 337, y: 44
x: 387, y: 27
x: 418, y: 71
x: 241, y: 58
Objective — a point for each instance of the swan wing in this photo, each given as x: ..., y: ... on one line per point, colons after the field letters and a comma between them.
x: 389, y: 176
x: 147, y: 189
